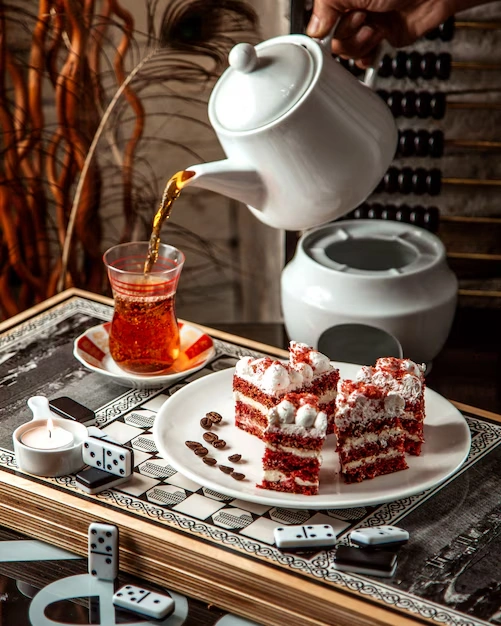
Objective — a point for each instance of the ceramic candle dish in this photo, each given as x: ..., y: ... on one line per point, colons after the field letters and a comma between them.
x: 56, y: 462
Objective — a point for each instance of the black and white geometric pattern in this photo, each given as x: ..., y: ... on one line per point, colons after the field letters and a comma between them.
x: 449, y: 572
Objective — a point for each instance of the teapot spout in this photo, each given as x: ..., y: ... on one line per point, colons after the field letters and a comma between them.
x: 236, y: 181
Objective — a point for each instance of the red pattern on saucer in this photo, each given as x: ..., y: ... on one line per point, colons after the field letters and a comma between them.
x: 196, y: 348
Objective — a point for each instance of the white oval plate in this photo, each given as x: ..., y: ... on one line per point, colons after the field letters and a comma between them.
x: 92, y: 350
x: 445, y: 450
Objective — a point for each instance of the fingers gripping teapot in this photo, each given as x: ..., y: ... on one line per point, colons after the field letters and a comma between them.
x: 305, y: 141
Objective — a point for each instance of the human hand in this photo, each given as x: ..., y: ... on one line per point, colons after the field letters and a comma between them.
x: 365, y: 23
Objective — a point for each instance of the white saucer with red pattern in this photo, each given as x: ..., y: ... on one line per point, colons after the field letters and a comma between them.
x: 92, y: 350
x: 446, y: 448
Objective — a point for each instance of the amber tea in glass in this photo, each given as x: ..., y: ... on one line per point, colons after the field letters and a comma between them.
x: 144, y: 334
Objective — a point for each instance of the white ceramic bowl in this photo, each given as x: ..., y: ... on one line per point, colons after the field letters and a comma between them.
x: 383, y: 274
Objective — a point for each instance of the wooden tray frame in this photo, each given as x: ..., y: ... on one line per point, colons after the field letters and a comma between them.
x: 246, y: 586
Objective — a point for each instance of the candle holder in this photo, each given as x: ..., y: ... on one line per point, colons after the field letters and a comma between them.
x: 58, y: 461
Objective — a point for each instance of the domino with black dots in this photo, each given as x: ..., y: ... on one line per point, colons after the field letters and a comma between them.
x: 144, y: 602
x: 108, y: 456
x: 103, y: 551
x: 304, y: 537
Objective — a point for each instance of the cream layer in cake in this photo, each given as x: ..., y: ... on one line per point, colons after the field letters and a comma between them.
x: 370, y: 438
x: 260, y: 384
x: 294, y: 438
x: 406, y: 378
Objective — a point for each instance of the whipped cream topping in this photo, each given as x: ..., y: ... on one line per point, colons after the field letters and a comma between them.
x: 394, y: 404
x: 301, y: 353
x: 400, y: 366
x: 283, y: 413
x: 398, y: 375
x: 303, y: 413
x: 353, y: 405
x: 272, y: 376
x: 281, y: 377
x: 364, y: 374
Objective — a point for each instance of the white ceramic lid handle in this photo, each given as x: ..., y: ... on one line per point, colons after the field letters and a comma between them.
x: 243, y: 58
x: 327, y: 40
x: 39, y: 406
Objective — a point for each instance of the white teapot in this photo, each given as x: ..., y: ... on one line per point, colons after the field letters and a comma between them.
x: 306, y: 142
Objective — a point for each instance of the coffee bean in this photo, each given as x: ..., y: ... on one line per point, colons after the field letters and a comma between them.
x: 206, y: 423
x: 214, y: 417
x: 226, y: 469
x: 192, y: 445
x: 219, y: 443
x: 237, y: 476
x: 235, y: 458
x: 201, y: 451
x: 208, y: 460
x: 210, y: 437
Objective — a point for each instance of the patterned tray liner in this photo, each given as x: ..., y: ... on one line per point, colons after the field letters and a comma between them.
x: 454, y: 528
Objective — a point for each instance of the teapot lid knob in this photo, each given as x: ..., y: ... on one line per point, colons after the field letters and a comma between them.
x: 243, y: 58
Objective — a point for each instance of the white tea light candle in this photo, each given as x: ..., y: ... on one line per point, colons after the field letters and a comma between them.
x: 48, y: 445
x: 48, y: 436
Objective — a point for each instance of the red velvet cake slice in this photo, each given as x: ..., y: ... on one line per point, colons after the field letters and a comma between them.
x: 260, y: 384
x: 370, y: 438
x: 407, y: 379
x: 319, y: 375
x: 294, y: 438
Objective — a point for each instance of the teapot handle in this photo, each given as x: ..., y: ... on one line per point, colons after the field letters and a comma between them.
x: 370, y: 75
x: 371, y: 72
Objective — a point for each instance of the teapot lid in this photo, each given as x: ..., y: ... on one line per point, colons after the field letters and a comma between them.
x: 261, y: 84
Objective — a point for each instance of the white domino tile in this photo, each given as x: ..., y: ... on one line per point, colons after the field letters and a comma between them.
x: 122, y: 433
x: 137, y: 485
x: 198, y: 506
x: 261, y: 530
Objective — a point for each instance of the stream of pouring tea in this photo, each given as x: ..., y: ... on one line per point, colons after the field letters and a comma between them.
x: 171, y: 192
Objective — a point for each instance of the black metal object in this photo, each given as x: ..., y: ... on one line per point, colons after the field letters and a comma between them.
x: 416, y: 65
x: 422, y: 104
x: 406, y: 180
x: 444, y: 32
x: 425, y: 217
x: 420, y: 143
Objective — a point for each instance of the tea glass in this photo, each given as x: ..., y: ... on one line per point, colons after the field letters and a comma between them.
x: 144, y: 333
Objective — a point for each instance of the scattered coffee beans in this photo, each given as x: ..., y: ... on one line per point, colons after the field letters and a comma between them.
x: 214, y: 417
x: 235, y: 458
x: 201, y: 451
x: 210, y: 437
x: 226, y: 469
x: 237, y: 476
x: 206, y: 423
x: 219, y: 443
x: 208, y: 460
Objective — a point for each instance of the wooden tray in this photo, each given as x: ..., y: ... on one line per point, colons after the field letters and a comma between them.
x: 197, y: 542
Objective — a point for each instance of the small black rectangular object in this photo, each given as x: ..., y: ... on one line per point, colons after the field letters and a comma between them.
x: 73, y: 410
x: 93, y: 480
x: 369, y: 562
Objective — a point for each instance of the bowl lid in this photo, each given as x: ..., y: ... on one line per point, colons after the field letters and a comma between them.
x: 373, y: 248
x: 262, y: 83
